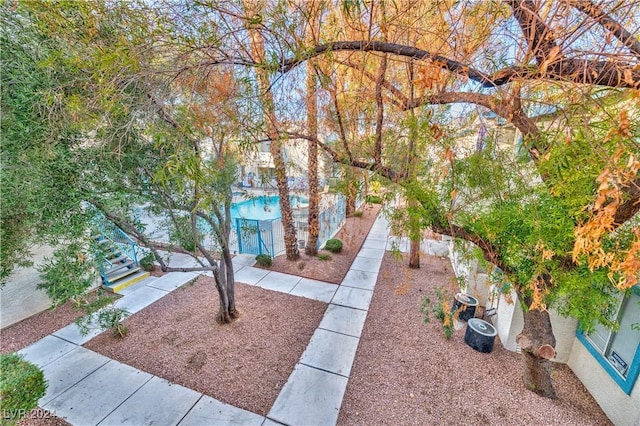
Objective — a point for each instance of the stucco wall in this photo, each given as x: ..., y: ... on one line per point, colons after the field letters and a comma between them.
x: 622, y: 409
x: 19, y: 298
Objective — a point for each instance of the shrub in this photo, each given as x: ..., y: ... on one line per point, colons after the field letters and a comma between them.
x: 334, y: 245
x: 264, y: 260
x: 324, y: 256
x: 358, y: 213
x: 147, y: 262
x: 22, y: 384
x: 374, y: 199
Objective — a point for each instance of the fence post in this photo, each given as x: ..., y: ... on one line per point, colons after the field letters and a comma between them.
x: 238, y: 230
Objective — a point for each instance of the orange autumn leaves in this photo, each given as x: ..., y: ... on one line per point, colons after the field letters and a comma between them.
x: 620, y: 173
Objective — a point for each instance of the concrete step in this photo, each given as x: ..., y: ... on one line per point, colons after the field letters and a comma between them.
x: 126, y: 280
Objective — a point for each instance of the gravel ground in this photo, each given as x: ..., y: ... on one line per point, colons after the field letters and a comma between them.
x: 407, y: 373
x: 245, y: 363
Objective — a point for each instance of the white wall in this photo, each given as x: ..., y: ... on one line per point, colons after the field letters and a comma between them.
x: 622, y: 409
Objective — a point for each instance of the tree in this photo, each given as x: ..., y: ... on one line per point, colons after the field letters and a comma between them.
x: 141, y: 138
x: 549, y: 270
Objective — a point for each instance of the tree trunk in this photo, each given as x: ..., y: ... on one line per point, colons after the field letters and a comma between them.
x: 414, y: 253
x: 352, y: 193
x: 537, y: 344
x: 275, y: 148
x: 311, y: 248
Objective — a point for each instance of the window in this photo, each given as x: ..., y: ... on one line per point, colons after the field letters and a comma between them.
x: 619, y: 352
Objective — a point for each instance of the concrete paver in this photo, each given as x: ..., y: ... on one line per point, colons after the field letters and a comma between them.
x: 172, y: 280
x: 156, y: 402
x: 360, y: 279
x: 317, y: 290
x: 372, y: 253
x: 98, y: 394
x: 344, y: 320
x: 352, y: 297
x: 46, y: 350
x: 209, y: 411
x: 138, y: 300
x: 250, y: 275
x: 68, y: 370
x: 310, y: 397
x: 278, y: 281
x: 137, y: 286
x: 366, y: 264
x: 72, y: 333
x: 331, y: 351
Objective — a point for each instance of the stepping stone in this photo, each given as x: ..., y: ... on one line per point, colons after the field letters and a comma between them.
x: 72, y: 333
x: 316, y: 290
x: 376, y: 253
x: 310, y: 397
x: 156, y: 402
x: 209, y: 411
x: 130, y: 289
x: 331, y: 351
x: 366, y: 264
x: 244, y: 260
x: 138, y: 300
x: 360, y: 279
x: 352, y: 297
x: 172, y: 280
x: 94, y: 397
x: 69, y: 369
x: 250, y: 275
x: 46, y: 350
x: 277, y: 281
x: 344, y: 320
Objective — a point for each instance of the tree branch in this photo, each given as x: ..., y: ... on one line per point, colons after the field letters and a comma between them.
x: 594, y: 11
x: 582, y: 71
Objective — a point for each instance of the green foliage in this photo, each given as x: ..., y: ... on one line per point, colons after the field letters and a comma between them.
x: 441, y: 310
x: 101, y: 313
x: 358, y: 213
x: 264, y: 260
x: 68, y: 274
x: 148, y: 262
x: 374, y: 199
x: 324, y: 257
x: 334, y: 245
x: 22, y: 384
x: 183, y: 234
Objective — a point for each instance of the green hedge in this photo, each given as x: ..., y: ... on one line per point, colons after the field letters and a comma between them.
x: 22, y: 384
x: 264, y: 260
x: 334, y: 245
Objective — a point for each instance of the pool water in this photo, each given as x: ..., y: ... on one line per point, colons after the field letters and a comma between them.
x: 264, y: 208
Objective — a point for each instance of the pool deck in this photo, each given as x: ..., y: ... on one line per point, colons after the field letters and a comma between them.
x: 87, y: 388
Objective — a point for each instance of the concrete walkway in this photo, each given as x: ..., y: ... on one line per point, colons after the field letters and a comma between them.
x: 87, y: 388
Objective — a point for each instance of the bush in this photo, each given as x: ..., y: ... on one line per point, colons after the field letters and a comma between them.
x: 264, y: 260
x: 374, y: 199
x: 22, y: 384
x: 358, y: 213
x: 324, y: 257
x: 334, y: 245
x: 148, y: 262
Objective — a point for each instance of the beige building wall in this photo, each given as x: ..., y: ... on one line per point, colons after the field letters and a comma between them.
x: 622, y: 409
x: 19, y: 298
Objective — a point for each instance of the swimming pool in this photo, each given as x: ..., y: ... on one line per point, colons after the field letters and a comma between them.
x: 264, y: 207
